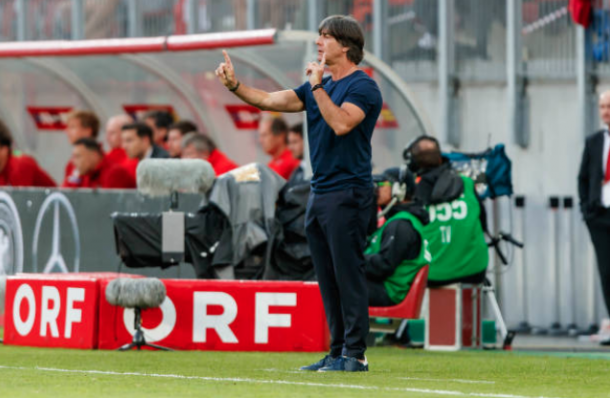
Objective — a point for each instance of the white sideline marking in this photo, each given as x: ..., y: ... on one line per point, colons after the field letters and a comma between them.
x: 453, y: 380
x: 283, y: 382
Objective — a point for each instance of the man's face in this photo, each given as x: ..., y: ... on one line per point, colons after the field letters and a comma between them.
x: 113, y: 133
x: 604, y: 108
x: 174, y: 143
x: 295, y: 144
x: 134, y: 146
x: 85, y: 160
x: 159, y: 134
x: 75, y: 130
x: 328, y: 45
x: 269, y: 142
x: 384, y: 193
x: 191, y: 153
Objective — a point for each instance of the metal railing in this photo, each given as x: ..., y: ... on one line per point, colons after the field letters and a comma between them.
x: 549, y: 39
x: 480, y: 39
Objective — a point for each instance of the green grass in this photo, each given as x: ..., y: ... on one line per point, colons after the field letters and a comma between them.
x: 521, y: 375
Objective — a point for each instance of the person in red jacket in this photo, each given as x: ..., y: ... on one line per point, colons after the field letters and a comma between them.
x: 272, y: 135
x: 199, y: 146
x: 95, y: 170
x: 80, y: 124
x: 116, y: 154
x: 19, y: 170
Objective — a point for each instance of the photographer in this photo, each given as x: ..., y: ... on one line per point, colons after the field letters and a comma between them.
x: 396, y: 251
x: 457, y: 217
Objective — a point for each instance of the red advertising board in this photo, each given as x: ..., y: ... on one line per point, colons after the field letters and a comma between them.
x: 51, y: 312
x: 226, y: 316
x: 50, y: 117
x: 245, y: 117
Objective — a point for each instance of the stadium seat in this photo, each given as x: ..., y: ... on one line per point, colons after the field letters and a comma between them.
x: 409, y: 308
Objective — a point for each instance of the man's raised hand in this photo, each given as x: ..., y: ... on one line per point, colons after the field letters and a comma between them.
x: 226, y: 73
x: 315, y: 71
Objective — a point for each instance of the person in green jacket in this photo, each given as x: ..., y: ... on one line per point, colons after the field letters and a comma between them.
x: 396, y: 251
x: 456, y: 232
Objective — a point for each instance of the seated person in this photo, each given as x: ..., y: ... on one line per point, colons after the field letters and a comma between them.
x: 159, y: 122
x: 95, y: 170
x: 272, y: 135
x: 296, y: 147
x: 396, y: 251
x: 138, y: 142
x: 19, y: 170
x: 177, y: 132
x: 79, y: 124
x: 116, y: 154
x: 199, y: 146
x: 457, y: 217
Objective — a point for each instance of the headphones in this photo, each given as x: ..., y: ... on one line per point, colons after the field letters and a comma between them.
x: 407, y: 152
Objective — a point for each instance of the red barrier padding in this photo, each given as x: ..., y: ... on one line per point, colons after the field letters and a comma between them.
x: 410, y: 307
x: 51, y: 312
x: 226, y: 316
x: 211, y: 41
x: 63, y: 48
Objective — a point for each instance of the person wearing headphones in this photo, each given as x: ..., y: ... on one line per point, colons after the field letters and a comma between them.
x: 456, y: 231
x: 396, y: 251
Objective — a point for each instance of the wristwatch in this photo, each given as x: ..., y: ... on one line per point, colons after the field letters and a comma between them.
x: 317, y: 86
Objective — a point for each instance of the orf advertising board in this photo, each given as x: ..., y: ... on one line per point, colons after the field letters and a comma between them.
x: 47, y: 311
x: 225, y: 315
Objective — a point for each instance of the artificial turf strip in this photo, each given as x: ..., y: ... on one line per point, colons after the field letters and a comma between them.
x: 530, y: 376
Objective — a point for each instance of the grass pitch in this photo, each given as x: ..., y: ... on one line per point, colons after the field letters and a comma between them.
x: 34, y: 372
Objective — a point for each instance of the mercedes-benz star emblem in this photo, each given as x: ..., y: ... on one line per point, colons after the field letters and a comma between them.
x: 56, y: 261
x: 11, y: 237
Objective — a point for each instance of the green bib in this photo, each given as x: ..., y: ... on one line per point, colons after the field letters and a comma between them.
x: 399, y: 283
x: 456, y: 237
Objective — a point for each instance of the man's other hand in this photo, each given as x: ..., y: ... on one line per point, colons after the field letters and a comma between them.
x: 226, y: 73
x: 315, y: 71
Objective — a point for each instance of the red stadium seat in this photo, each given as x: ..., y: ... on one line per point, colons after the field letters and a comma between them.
x: 410, y: 307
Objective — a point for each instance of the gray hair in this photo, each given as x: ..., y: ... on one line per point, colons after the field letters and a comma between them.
x: 201, y: 142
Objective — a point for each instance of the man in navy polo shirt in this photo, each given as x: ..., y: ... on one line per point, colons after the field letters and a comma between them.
x: 342, y: 110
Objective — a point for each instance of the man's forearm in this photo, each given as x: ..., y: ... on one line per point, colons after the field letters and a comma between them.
x: 252, y: 96
x: 332, y: 114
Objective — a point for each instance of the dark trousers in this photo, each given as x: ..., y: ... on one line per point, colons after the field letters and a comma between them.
x: 336, y: 225
x: 378, y: 296
x: 599, y: 229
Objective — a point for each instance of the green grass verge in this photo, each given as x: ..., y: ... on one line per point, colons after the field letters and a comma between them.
x: 394, y: 373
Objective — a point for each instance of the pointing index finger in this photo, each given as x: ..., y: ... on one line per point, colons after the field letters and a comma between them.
x: 323, y: 60
x: 227, y: 58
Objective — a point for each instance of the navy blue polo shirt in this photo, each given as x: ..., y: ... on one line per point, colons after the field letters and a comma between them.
x: 341, y: 162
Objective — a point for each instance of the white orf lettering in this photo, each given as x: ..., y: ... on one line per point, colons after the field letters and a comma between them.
x: 264, y: 320
x: 48, y: 315
x: 444, y: 212
x: 220, y: 323
x: 432, y: 211
x: 164, y: 329
x: 460, y: 211
x: 24, y: 292
x: 73, y: 315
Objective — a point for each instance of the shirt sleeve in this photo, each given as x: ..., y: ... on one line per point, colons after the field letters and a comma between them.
x: 301, y: 92
x: 40, y: 178
x: 117, y: 178
x: 364, y: 94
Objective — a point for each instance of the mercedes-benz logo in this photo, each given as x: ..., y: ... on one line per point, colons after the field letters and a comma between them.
x: 11, y: 237
x: 56, y: 261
